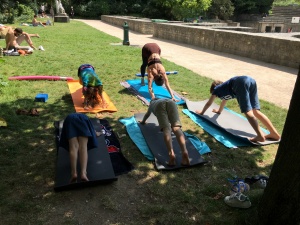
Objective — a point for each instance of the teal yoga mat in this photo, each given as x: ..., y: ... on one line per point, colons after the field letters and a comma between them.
x: 229, y: 127
x: 143, y: 94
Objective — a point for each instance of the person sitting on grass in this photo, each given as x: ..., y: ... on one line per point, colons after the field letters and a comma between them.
x: 14, y: 38
x: 92, y: 86
x: 35, y: 22
x: 244, y: 89
x: 78, y: 136
x: 156, y: 71
x: 168, y: 119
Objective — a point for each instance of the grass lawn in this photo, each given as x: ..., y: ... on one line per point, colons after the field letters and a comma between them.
x: 144, y: 196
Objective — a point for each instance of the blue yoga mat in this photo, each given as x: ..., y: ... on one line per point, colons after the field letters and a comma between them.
x: 137, y: 137
x: 143, y: 93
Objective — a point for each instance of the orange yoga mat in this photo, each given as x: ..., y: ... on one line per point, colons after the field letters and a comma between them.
x: 76, y: 92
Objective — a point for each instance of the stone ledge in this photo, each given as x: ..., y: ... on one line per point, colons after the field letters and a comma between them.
x: 61, y: 19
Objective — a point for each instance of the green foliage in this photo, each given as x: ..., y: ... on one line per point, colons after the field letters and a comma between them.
x: 286, y: 2
x: 23, y: 10
x: 175, y: 9
x: 93, y: 9
x: 223, y: 9
x: 252, y: 6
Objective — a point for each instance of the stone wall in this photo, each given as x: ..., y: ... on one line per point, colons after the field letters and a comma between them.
x: 279, y: 51
x: 143, y: 26
x: 271, y: 49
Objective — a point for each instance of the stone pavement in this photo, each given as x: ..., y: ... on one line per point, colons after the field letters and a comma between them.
x: 275, y: 83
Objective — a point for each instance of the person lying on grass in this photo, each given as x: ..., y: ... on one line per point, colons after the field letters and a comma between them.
x: 156, y: 71
x: 244, y: 89
x: 78, y: 136
x: 168, y: 119
x: 92, y: 86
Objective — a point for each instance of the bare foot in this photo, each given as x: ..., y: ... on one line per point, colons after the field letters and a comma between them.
x: 275, y: 137
x: 198, y: 112
x: 37, y: 35
x: 73, y: 179
x: 257, y: 139
x: 172, y: 160
x: 185, y: 159
x: 84, y: 178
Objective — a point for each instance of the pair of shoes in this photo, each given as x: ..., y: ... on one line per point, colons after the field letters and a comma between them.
x: 259, y: 181
x: 238, y: 186
x: 238, y: 200
x: 31, y: 112
x: 41, y: 48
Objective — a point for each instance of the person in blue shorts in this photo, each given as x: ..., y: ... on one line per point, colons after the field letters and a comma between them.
x: 78, y: 136
x: 91, y: 86
x: 167, y: 116
x: 244, y: 89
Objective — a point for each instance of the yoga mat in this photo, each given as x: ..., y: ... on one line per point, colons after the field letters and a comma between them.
x: 137, y: 137
x: 155, y: 141
x: 142, y: 92
x: 40, y: 77
x: 99, y: 167
x: 167, y: 72
x: 120, y: 164
x: 76, y: 92
x: 231, y: 122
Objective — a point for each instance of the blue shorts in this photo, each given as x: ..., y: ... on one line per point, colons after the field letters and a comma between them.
x: 245, y: 90
x: 78, y: 125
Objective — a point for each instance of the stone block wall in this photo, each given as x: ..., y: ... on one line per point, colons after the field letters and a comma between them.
x: 279, y: 51
x: 143, y: 26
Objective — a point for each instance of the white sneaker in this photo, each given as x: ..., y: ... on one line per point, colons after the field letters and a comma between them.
x: 238, y: 200
x: 30, y: 50
x: 41, y: 48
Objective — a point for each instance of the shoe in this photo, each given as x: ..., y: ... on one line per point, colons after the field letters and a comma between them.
x: 41, y: 48
x: 259, y: 181
x: 30, y: 50
x: 238, y: 200
x: 238, y: 186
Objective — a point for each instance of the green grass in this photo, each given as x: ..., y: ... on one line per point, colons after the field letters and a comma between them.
x: 144, y: 196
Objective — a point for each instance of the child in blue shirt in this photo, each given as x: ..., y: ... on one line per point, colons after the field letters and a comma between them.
x: 244, y: 89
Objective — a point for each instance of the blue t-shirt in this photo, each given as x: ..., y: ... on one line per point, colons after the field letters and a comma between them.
x: 224, y: 91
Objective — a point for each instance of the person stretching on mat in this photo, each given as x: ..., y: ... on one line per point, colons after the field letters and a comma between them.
x: 91, y: 86
x: 156, y: 71
x: 244, y: 89
x: 168, y: 119
x: 78, y: 136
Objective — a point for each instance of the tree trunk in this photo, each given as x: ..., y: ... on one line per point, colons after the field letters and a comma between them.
x: 280, y: 203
